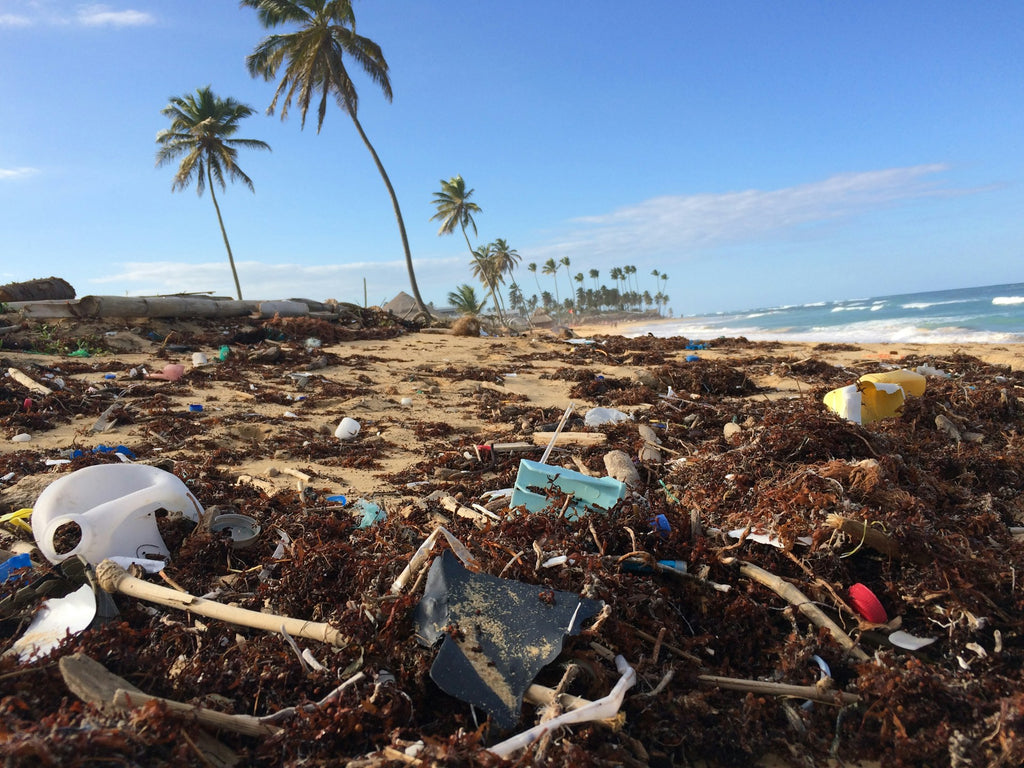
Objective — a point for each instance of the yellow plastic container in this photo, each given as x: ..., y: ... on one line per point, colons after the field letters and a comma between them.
x: 875, y: 395
x: 911, y: 381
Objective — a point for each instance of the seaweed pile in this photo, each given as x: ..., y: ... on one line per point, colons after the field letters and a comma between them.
x: 776, y: 517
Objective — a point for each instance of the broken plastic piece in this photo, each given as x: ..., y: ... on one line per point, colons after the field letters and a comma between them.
x: 55, y: 620
x: 596, y: 417
x: 602, y: 709
x: 589, y: 493
x: 496, y: 634
x: 875, y: 396
x: 12, y: 564
x: 113, y: 507
x: 867, y: 605
x: 911, y: 642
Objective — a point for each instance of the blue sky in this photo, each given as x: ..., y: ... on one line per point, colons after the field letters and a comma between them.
x: 759, y: 153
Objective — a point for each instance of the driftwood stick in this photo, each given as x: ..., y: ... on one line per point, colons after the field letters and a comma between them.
x: 92, y: 682
x: 28, y: 382
x: 812, y: 692
x: 803, y: 603
x: 244, y: 724
x: 860, y: 530
x: 114, y: 578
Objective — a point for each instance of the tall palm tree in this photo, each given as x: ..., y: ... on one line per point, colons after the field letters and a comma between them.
x: 551, y: 268
x: 532, y: 267
x: 594, y: 274
x: 202, y: 126
x: 506, y: 259
x: 313, y: 57
x: 564, y: 261
x: 463, y: 299
x: 454, y: 208
x: 485, y: 269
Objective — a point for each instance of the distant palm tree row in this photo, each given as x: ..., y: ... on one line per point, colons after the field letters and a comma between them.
x: 492, y: 263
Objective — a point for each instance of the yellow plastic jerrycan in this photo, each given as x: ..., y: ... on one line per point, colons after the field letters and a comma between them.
x: 875, y: 395
x: 912, y: 382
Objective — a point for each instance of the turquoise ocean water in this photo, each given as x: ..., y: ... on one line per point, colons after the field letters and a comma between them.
x: 992, y: 314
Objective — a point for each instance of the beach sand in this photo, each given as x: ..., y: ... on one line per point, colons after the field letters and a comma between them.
x: 431, y: 406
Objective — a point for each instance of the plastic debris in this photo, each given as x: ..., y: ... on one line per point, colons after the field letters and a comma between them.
x: 55, y: 620
x: 496, y: 634
x: 113, y: 507
x: 587, y: 493
x: 597, y: 417
x: 867, y: 605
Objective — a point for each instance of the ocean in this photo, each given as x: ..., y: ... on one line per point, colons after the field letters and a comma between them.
x: 992, y: 314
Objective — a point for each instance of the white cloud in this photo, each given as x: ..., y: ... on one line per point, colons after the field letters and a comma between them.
x: 674, y: 224
x: 16, y: 173
x: 27, y: 13
x: 11, y: 20
x: 103, y: 15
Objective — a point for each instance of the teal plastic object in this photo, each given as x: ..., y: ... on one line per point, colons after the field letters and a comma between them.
x: 589, y: 493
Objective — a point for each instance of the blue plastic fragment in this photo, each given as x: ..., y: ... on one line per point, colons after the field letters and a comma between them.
x: 338, y: 500
x: 12, y: 564
x: 692, y: 358
x: 660, y: 524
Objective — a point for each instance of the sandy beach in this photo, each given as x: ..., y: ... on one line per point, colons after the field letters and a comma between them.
x: 741, y: 441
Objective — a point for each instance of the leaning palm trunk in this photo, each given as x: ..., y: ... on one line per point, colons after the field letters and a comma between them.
x: 398, y: 211
x: 224, y: 233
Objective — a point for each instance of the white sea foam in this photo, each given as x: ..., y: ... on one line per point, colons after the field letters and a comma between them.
x: 1008, y: 300
x: 929, y: 304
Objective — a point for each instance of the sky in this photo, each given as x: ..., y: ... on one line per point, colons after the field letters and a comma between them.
x: 758, y: 153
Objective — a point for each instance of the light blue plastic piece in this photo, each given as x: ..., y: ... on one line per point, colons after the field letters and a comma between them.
x: 589, y: 493
x: 371, y: 513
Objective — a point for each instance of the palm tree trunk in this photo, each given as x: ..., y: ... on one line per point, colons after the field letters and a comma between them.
x: 398, y: 212
x: 224, y: 232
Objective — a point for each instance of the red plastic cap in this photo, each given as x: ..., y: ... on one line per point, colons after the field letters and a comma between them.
x: 867, y: 605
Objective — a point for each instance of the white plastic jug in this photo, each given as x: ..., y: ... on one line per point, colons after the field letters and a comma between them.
x: 114, y: 507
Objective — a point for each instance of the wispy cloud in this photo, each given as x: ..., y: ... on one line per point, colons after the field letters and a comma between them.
x: 105, y: 16
x: 14, y: 20
x: 674, y: 224
x: 28, y: 13
x: 16, y: 173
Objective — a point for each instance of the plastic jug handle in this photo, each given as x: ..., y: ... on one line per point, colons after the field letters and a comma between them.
x: 47, y: 547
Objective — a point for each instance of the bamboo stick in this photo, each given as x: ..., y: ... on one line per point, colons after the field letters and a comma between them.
x: 113, y: 578
x: 812, y: 692
x: 803, y: 603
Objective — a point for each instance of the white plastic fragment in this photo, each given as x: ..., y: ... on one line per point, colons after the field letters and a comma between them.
x: 910, y: 642
x: 55, y: 620
x: 602, y: 709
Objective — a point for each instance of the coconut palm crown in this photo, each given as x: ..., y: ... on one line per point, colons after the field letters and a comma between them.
x: 202, y: 135
x: 313, y: 57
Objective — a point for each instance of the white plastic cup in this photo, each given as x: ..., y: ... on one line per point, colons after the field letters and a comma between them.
x: 347, y: 429
x: 198, y: 359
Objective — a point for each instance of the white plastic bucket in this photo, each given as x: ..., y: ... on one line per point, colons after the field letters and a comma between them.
x: 114, y: 507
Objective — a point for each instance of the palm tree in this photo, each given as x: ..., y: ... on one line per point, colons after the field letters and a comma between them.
x: 551, y: 268
x: 564, y: 261
x: 532, y: 267
x: 594, y: 274
x: 202, y: 125
x: 485, y: 269
x: 464, y: 300
x: 314, y: 64
x: 506, y: 260
x: 454, y: 208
